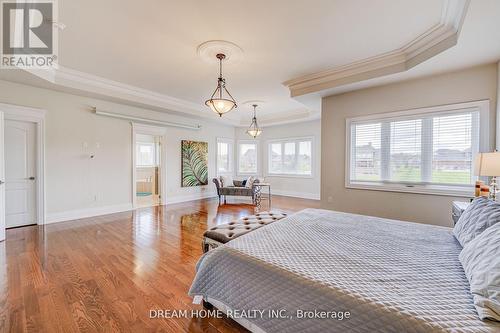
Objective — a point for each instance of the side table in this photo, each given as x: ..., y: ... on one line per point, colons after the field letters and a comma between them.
x: 458, y: 207
x: 258, y: 195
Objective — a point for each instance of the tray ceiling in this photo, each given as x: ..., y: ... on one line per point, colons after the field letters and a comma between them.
x: 145, y: 52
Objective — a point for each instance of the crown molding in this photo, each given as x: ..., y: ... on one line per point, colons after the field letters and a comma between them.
x: 307, y: 89
x: 283, y: 119
x: 435, y: 40
x: 89, y: 83
x: 290, y: 120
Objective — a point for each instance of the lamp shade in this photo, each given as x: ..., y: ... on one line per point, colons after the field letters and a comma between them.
x: 488, y: 164
x: 220, y: 106
x: 255, y: 132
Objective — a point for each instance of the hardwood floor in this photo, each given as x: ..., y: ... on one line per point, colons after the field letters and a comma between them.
x: 147, y: 201
x: 105, y: 274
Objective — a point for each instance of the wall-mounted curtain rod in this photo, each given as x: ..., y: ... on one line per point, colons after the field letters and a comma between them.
x: 145, y: 120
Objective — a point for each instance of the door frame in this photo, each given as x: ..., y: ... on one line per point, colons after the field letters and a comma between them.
x: 2, y: 178
x: 37, y: 116
x: 161, y: 132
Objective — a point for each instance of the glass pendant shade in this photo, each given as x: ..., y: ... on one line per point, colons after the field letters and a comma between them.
x: 220, y: 106
x: 254, y: 130
x: 218, y: 102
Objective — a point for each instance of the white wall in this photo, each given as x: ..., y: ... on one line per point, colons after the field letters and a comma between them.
x: 472, y: 84
x: 290, y: 186
x: 78, y: 186
x: 498, y: 107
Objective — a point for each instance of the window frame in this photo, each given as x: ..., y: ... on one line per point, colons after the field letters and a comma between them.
x: 483, y: 107
x: 295, y: 140
x: 230, y: 142
x: 257, y: 156
x: 155, y: 152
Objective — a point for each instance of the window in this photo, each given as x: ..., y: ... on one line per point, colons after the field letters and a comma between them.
x: 428, y: 150
x: 290, y: 157
x: 224, y: 156
x: 247, y: 157
x: 146, y: 155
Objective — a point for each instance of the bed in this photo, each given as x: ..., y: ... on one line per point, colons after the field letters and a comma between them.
x: 390, y: 276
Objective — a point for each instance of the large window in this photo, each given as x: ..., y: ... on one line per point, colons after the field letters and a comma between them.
x: 290, y: 157
x: 425, y: 150
x: 247, y: 157
x: 224, y: 156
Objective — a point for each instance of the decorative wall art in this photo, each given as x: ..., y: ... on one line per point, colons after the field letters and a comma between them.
x: 194, y: 163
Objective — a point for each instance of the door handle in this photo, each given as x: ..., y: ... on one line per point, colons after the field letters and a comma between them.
x: 31, y: 178
x: 2, y: 182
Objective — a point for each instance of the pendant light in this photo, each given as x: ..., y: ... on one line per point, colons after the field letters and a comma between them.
x: 254, y: 130
x: 217, y: 103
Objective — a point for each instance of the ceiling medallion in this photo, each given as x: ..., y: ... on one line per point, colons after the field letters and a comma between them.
x: 254, y: 130
x: 219, y: 103
x: 208, y: 51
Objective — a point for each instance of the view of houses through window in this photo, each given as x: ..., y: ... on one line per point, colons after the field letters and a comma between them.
x: 435, y: 149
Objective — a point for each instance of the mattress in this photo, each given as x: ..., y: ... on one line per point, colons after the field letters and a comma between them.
x: 389, y: 276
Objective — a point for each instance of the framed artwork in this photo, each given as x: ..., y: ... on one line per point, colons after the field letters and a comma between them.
x: 194, y: 163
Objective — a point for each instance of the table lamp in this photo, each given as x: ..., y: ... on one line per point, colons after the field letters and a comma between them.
x: 488, y: 164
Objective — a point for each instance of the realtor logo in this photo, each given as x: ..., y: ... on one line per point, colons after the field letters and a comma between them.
x: 29, y: 38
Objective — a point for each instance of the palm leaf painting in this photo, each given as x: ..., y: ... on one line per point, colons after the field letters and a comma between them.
x: 194, y: 163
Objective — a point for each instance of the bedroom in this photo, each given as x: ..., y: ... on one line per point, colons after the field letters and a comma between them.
x: 328, y: 108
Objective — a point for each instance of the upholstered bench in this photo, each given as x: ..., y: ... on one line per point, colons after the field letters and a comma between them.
x: 223, y: 233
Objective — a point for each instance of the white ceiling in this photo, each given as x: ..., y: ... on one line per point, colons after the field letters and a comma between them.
x: 152, y: 44
x: 478, y: 43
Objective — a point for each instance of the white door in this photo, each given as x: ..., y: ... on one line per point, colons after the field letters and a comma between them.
x: 2, y: 181
x: 20, y: 171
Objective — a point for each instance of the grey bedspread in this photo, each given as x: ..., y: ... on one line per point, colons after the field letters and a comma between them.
x: 391, y: 276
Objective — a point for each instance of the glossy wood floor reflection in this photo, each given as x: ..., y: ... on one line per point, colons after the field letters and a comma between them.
x: 105, y: 274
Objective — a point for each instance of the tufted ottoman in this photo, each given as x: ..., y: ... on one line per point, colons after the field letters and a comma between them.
x: 223, y: 233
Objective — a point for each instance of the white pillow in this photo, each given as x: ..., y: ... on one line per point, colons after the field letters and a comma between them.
x: 249, y: 182
x: 481, y: 262
x: 227, y: 180
x: 481, y: 214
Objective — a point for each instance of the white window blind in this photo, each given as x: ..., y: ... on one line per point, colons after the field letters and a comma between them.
x: 422, y: 149
x: 290, y: 157
x: 247, y: 157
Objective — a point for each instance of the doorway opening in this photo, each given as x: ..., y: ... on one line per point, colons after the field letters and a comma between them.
x: 147, y: 170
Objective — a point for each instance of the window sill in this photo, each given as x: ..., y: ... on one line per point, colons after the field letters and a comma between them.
x: 452, y: 191
x: 284, y: 175
x: 247, y: 174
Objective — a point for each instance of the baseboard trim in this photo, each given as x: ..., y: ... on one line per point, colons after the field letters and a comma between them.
x: 105, y: 210
x: 302, y: 195
x: 190, y: 197
x: 86, y: 213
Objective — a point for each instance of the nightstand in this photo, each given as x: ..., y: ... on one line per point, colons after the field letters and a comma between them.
x: 457, y: 209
